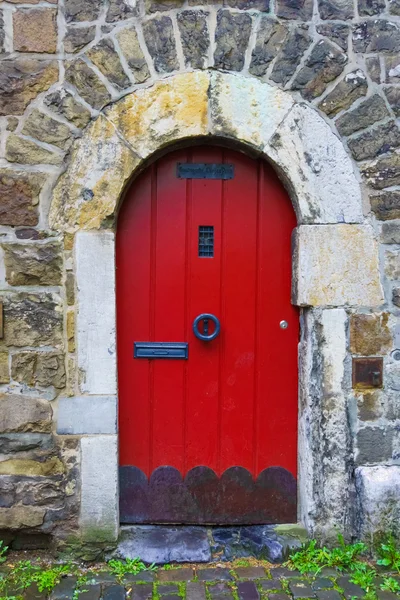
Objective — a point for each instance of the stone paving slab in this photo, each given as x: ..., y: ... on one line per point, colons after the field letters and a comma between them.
x: 64, y: 590
x: 167, y: 588
x: 195, y: 590
x: 301, y: 590
x: 247, y: 590
x: 113, y: 592
x: 217, y: 574
x: 250, y: 572
x: 185, y: 574
x: 322, y: 583
x: 267, y: 585
x: 283, y: 572
x: 145, y: 576
x: 92, y: 592
x: 328, y: 595
x: 142, y: 591
x: 220, y: 591
x: 206, y: 583
x: 349, y: 589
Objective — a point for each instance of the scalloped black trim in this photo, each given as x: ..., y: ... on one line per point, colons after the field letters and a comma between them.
x: 203, y: 498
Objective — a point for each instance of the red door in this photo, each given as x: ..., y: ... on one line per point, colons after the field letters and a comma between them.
x: 208, y: 428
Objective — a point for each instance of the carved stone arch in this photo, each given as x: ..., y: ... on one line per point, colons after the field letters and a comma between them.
x: 310, y: 157
x: 335, y: 266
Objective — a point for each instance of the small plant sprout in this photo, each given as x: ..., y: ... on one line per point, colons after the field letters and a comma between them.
x: 132, y: 566
x: 389, y: 554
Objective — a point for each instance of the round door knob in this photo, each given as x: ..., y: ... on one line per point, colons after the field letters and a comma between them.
x: 206, y: 337
x: 283, y: 324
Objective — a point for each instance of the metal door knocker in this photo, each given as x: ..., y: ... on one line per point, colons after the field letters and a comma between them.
x: 205, y: 336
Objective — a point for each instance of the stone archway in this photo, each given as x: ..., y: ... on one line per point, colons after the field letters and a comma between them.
x: 335, y: 266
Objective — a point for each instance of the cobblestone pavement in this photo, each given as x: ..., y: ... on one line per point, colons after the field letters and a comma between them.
x: 202, y: 583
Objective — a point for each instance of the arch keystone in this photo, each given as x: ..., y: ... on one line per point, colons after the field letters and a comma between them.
x: 245, y: 109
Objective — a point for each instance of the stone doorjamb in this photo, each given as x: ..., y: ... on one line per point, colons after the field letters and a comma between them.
x: 335, y: 266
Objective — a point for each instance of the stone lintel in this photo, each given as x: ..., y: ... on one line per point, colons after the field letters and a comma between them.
x: 87, y: 415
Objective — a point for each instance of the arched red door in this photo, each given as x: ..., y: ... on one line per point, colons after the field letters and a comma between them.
x: 208, y: 428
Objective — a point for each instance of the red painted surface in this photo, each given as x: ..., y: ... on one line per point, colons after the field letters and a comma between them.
x: 234, y: 401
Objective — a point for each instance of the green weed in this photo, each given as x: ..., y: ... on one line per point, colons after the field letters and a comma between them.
x: 389, y: 554
x: 311, y: 558
x: 80, y: 586
x: 242, y: 562
x: 47, y: 579
x: 364, y: 576
x: 3, y: 552
x: 132, y: 566
x: 390, y: 585
x: 24, y: 573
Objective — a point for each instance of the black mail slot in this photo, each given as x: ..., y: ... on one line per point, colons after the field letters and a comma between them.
x: 176, y: 350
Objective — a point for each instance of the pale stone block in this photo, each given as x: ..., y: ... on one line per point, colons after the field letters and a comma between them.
x: 95, y: 328
x: 87, y: 415
x: 336, y: 265
x: 173, y: 109
x: 323, y: 478
x: 99, y: 516
x: 88, y: 192
x: 246, y: 109
x: 334, y: 349
x: 317, y: 167
x: 378, y: 495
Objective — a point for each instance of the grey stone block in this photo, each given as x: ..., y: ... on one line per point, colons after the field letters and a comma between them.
x: 301, y: 590
x: 64, y: 590
x: 167, y: 589
x: 247, y: 590
x: 322, y: 583
x: 374, y: 445
x: 142, y: 592
x: 378, y: 499
x: 87, y: 415
x: 114, y: 592
x: 195, y: 590
x: 160, y: 545
x: 350, y: 590
x: 328, y: 595
x: 185, y: 574
x: 217, y: 574
x: 250, y: 572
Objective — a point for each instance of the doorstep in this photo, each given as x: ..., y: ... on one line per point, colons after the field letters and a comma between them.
x: 161, y: 544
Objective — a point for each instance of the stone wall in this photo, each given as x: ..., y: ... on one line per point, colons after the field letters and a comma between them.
x: 65, y: 65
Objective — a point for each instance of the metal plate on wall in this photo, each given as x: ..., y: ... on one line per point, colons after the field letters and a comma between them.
x: 205, y: 171
x: 367, y: 372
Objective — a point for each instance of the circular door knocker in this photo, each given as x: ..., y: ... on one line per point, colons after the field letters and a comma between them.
x: 206, y: 337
